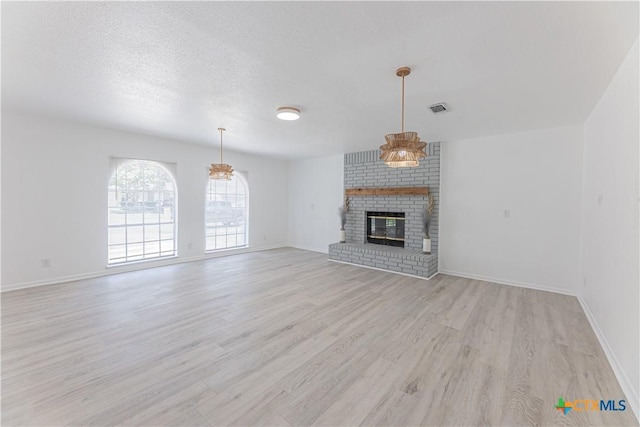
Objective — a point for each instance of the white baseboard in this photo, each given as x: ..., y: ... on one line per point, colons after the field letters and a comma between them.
x: 386, y: 271
x: 132, y: 267
x: 510, y: 282
x: 633, y: 397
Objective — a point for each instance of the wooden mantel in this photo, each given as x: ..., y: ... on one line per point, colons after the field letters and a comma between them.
x: 387, y: 191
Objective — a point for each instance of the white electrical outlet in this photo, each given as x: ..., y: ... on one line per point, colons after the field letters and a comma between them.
x: 189, y: 245
x: 507, y: 213
x: 46, y: 262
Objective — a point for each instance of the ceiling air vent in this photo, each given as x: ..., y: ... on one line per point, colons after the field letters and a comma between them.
x: 439, y: 108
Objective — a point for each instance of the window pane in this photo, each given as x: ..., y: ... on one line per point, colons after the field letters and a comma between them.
x: 117, y: 253
x: 152, y: 216
x: 135, y: 234
x: 151, y: 249
x: 166, y: 231
x: 167, y: 245
x: 135, y: 249
x: 151, y: 232
x: 133, y: 217
x: 116, y: 216
x: 117, y: 235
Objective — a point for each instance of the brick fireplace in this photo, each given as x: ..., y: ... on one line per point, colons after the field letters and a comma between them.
x: 366, y: 170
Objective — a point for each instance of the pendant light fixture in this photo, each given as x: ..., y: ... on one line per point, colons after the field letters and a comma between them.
x: 220, y: 170
x: 404, y: 149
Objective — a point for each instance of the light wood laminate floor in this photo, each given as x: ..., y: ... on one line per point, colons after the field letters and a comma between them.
x: 284, y: 337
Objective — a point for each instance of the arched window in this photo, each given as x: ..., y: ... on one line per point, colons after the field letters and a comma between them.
x: 226, y: 213
x: 142, y: 211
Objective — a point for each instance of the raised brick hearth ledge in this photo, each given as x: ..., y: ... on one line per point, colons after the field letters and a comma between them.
x: 400, y: 260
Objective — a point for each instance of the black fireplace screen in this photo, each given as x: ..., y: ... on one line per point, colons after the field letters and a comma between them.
x: 385, y: 228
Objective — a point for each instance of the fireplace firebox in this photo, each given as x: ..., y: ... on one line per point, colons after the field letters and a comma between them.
x: 385, y: 228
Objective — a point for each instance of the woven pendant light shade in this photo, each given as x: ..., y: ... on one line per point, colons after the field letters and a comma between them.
x: 404, y: 149
x: 220, y: 170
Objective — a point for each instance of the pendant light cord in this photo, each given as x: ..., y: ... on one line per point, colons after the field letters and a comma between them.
x: 221, y: 162
x: 402, y: 127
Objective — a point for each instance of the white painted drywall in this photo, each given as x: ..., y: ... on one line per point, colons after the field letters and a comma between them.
x: 536, y: 177
x: 315, y: 193
x: 610, y: 248
x: 54, y: 201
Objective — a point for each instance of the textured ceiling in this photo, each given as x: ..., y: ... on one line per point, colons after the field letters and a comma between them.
x: 182, y: 69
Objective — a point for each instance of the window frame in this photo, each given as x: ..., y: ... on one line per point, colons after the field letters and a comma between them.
x: 170, y: 169
x: 242, y: 177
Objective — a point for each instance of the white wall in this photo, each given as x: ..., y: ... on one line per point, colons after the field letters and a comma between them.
x: 535, y: 175
x: 610, y: 248
x: 315, y: 193
x: 54, y: 203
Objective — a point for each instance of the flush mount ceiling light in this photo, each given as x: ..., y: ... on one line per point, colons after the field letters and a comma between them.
x: 288, y: 113
x: 220, y: 170
x: 404, y: 149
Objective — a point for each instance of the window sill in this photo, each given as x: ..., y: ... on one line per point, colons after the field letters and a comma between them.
x: 235, y: 248
x: 141, y: 261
